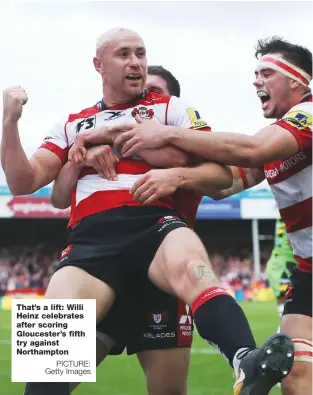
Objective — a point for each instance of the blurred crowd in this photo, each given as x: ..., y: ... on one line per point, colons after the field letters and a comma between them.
x: 31, y: 267
x: 234, y: 266
x: 27, y: 267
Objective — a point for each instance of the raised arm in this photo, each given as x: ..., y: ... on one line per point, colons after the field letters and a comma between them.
x: 23, y: 175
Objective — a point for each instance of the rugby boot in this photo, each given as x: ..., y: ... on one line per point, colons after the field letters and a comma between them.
x: 262, y: 368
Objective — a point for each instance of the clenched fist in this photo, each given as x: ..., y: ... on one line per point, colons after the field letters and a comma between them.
x: 14, y: 99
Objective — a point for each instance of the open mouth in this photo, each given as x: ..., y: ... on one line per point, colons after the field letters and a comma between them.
x: 133, y: 77
x: 264, y: 97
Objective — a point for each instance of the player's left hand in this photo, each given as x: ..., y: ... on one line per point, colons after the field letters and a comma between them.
x: 145, y: 134
x: 155, y: 185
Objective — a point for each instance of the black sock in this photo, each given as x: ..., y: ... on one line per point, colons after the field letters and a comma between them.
x: 47, y: 389
x: 221, y: 321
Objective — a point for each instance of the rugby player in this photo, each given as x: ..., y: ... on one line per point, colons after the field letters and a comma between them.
x: 160, y: 328
x: 281, y: 152
x: 109, y: 225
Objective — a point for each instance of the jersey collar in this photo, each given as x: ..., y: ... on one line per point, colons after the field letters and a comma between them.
x: 102, y: 106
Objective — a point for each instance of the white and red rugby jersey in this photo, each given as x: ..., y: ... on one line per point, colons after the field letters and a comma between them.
x: 291, y: 183
x: 93, y: 193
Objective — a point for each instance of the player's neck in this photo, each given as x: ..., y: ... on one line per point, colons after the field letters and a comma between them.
x: 112, y: 98
x: 293, y: 101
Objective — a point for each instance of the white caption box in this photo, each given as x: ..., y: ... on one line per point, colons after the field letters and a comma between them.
x: 53, y: 340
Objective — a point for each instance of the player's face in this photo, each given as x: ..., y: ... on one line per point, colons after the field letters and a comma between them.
x: 124, y: 66
x: 273, y: 89
x: 157, y: 84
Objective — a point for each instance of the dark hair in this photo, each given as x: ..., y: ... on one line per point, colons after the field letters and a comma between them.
x: 173, y: 85
x: 295, y: 54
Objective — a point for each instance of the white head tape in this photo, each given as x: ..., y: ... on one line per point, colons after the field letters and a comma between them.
x: 276, y: 62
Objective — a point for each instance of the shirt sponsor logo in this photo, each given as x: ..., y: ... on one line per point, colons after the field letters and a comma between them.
x: 285, y: 165
x: 195, y: 119
x: 298, y: 119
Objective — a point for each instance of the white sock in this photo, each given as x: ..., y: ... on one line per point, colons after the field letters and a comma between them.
x: 237, y: 359
x: 280, y: 309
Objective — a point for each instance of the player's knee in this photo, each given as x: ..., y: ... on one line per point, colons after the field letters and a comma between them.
x: 300, y: 377
x: 299, y: 381
x: 199, y: 276
x: 189, y: 277
x: 178, y: 278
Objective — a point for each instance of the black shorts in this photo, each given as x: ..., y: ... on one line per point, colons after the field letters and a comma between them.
x: 117, y: 246
x: 298, y: 298
x: 147, y: 320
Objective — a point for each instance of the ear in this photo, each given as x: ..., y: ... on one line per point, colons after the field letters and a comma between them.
x: 98, y: 65
x: 294, y: 84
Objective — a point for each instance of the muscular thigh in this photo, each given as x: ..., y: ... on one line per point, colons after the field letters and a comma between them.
x: 71, y: 282
x: 181, y: 265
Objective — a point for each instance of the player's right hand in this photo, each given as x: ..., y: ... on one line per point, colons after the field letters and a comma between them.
x: 103, y: 160
x: 14, y: 98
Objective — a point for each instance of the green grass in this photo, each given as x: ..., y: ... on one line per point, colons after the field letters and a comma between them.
x: 121, y: 375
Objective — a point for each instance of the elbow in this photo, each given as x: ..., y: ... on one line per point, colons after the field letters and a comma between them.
x: 225, y: 179
x: 57, y: 203
x: 216, y: 196
x: 20, y: 190
x: 20, y: 184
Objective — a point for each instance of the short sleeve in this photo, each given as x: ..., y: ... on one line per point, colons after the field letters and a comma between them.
x: 56, y: 141
x: 181, y: 115
x: 298, y: 121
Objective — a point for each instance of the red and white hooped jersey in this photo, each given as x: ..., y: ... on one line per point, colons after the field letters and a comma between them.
x: 93, y: 193
x: 291, y: 183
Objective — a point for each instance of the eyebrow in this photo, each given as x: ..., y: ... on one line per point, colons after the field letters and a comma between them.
x: 128, y: 48
x: 263, y: 70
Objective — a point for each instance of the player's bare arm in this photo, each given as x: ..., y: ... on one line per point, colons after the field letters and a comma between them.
x: 165, y: 157
x: 205, y: 179
x: 23, y: 175
x: 63, y: 186
x: 168, y: 156
x: 270, y: 143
